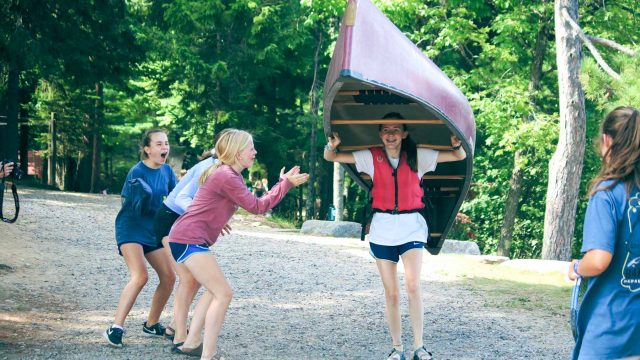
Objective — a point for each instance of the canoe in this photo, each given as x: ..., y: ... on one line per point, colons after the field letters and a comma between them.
x: 375, y: 69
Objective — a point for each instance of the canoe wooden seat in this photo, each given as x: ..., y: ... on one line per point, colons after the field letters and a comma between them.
x: 421, y: 146
x: 425, y: 177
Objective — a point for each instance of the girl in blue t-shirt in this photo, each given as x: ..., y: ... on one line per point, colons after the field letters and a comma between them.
x: 147, y: 183
x: 608, y: 320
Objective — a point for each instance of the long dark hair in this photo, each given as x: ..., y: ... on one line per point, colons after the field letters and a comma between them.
x: 621, y: 162
x: 407, y: 145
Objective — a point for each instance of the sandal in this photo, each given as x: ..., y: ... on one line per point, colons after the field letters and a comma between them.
x: 167, y: 335
x: 422, y: 354
x: 396, y: 355
x: 196, y: 351
x: 217, y: 356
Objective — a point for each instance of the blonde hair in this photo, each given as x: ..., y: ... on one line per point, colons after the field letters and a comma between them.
x: 230, y: 142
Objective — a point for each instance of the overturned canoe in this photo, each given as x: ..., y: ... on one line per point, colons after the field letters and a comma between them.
x: 375, y: 70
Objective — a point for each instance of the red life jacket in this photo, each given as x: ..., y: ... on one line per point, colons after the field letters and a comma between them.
x: 394, y: 189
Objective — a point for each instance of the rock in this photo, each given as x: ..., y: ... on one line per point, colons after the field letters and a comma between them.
x: 544, y: 266
x: 460, y: 247
x: 331, y: 228
x: 492, y: 259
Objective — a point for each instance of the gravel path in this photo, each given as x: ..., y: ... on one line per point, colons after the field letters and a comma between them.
x: 295, y: 297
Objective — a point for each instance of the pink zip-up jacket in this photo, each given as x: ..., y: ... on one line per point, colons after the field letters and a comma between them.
x: 216, y: 201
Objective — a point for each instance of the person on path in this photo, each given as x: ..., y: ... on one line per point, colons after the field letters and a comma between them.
x: 222, y: 191
x: 608, y: 319
x: 147, y: 183
x: 397, y: 231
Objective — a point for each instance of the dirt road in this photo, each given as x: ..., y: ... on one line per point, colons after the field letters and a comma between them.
x: 296, y: 297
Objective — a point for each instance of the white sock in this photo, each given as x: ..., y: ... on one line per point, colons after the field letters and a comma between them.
x: 400, y: 348
x: 117, y: 327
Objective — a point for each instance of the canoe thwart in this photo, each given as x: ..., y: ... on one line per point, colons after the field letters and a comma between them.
x: 366, y: 177
x: 365, y: 147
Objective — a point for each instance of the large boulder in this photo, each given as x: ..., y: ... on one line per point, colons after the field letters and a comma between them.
x: 460, y: 247
x: 543, y: 266
x: 331, y: 228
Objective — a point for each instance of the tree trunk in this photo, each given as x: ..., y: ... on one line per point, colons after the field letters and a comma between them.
x: 96, y: 143
x: 566, y: 164
x: 24, y: 141
x: 512, y: 203
x: 338, y: 190
x: 10, y: 141
x: 314, y: 103
x: 511, y: 207
x: 53, y: 155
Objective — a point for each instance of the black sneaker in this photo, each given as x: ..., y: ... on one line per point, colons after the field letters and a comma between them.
x: 156, y: 329
x: 114, y: 336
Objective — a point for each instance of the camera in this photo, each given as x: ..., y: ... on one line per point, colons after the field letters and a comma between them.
x: 16, y: 173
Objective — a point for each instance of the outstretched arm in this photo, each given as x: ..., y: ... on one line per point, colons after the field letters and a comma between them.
x: 331, y: 154
x: 455, y: 155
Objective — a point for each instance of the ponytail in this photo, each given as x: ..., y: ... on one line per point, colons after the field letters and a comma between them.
x: 208, y: 172
x: 410, y: 148
x: 621, y: 161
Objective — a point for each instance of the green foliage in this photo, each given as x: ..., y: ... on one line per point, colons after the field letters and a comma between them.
x: 196, y: 67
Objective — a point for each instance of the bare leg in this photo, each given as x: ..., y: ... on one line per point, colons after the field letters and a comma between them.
x: 412, y: 261
x: 134, y: 258
x: 161, y: 263
x: 187, y: 289
x: 186, y: 292
x: 197, y: 323
x: 388, y: 273
x: 206, y: 270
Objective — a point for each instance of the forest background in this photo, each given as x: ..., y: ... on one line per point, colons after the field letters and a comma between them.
x: 84, y: 79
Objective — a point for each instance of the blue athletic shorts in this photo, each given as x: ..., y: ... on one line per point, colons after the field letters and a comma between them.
x: 181, y: 252
x: 145, y: 248
x: 392, y: 253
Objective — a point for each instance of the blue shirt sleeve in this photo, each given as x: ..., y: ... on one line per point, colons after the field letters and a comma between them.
x: 173, y: 180
x: 600, y: 223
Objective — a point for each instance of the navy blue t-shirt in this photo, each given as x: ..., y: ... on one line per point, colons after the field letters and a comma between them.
x: 135, y: 224
x: 609, y: 317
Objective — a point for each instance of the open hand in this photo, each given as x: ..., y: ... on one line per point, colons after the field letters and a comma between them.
x: 294, y: 175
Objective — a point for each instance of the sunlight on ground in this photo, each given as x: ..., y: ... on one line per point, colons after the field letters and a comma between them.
x: 463, y: 266
x: 12, y: 318
x: 519, y: 285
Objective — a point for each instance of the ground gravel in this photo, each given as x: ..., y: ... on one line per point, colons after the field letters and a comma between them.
x: 295, y: 297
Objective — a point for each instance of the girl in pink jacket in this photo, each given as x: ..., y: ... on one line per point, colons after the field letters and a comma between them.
x: 222, y: 190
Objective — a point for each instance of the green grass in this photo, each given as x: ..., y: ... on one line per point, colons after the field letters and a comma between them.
x: 505, y: 287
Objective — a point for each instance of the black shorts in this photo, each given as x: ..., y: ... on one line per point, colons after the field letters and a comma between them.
x: 145, y: 248
x: 163, y: 221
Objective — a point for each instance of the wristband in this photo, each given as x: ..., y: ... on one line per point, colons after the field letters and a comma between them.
x: 328, y: 148
x: 575, y: 269
x: 456, y: 148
